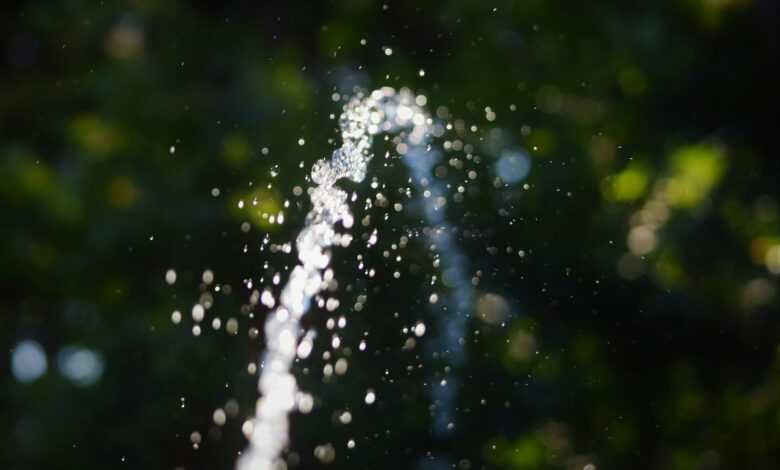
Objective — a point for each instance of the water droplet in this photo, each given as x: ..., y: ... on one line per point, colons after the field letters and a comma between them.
x: 219, y: 417
x: 198, y: 312
x: 28, y: 361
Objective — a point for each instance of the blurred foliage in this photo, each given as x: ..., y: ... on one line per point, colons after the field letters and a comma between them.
x: 637, y: 265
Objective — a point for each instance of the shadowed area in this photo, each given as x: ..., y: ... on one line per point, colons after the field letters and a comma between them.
x: 582, y: 276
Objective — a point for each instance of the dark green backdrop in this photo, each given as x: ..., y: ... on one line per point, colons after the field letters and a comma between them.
x: 639, y: 329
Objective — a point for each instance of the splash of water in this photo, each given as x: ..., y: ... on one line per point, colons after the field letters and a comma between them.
x: 451, y: 327
x: 383, y: 110
x: 449, y: 343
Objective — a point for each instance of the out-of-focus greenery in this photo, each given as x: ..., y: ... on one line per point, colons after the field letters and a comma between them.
x: 639, y: 328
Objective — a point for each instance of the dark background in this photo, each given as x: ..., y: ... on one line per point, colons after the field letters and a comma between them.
x: 640, y: 329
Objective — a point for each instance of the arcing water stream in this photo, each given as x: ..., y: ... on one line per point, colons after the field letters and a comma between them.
x: 382, y: 111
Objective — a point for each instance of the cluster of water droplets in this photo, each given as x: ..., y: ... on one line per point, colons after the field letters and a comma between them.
x: 383, y: 110
x: 437, y: 175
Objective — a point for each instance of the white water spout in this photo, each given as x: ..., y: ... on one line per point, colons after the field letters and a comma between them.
x: 382, y: 111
